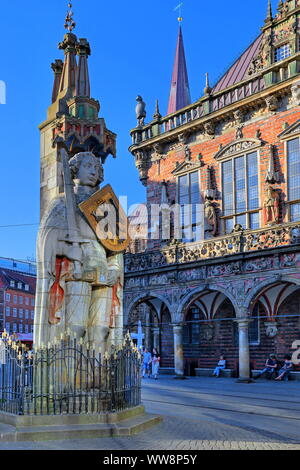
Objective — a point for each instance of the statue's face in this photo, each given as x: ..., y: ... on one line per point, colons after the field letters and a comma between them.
x: 89, y: 173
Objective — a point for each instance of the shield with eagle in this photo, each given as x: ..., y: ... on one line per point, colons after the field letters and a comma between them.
x: 108, y: 219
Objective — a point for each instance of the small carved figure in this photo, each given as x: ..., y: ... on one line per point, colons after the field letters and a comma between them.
x: 295, y: 90
x: 211, y: 217
x: 271, y: 209
x: 272, y: 103
x: 140, y: 111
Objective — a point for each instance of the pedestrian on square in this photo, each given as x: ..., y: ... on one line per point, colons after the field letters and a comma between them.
x: 155, y: 363
x: 270, y: 367
x: 286, y: 369
x: 221, y: 365
x: 146, y: 362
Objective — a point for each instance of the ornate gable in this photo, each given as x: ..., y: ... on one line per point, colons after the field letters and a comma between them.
x: 238, y: 146
x: 186, y: 167
x: 291, y: 130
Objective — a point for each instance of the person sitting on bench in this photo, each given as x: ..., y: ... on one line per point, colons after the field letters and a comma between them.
x: 286, y: 369
x: 270, y: 367
x: 221, y: 365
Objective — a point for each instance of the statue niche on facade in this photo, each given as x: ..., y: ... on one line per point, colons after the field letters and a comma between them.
x: 271, y: 207
x: 79, y: 282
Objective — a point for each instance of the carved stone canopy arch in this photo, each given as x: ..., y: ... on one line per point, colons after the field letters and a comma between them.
x: 237, y: 147
x: 186, y: 167
x: 290, y: 131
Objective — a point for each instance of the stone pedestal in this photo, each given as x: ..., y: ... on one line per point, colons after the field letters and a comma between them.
x: 86, y: 426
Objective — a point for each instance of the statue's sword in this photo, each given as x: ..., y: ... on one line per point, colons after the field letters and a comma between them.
x: 73, y: 236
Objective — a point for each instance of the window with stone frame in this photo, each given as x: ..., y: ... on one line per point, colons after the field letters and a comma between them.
x: 293, y: 178
x: 191, y: 329
x: 189, y: 200
x: 240, y: 192
x: 254, y: 331
x: 282, y: 52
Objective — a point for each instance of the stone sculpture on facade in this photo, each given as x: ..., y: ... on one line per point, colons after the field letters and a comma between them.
x: 271, y: 208
x: 79, y: 283
x: 140, y: 111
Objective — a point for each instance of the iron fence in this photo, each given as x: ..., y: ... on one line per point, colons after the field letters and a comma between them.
x: 68, y: 378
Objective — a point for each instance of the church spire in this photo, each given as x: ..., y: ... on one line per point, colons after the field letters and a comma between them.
x: 180, y: 90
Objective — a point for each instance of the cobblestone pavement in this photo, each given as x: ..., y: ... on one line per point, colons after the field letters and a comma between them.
x: 206, y: 414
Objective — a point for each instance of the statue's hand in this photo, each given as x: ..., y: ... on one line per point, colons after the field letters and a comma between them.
x: 112, y: 277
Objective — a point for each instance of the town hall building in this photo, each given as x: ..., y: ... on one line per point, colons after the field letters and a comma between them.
x: 233, y: 289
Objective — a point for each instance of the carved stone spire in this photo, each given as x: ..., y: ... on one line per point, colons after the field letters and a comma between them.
x: 207, y: 89
x: 57, y: 68
x: 269, y: 16
x: 82, y: 79
x: 272, y: 175
x: 68, y: 78
x: 180, y: 96
x: 210, y: 192
x: 157, y: 114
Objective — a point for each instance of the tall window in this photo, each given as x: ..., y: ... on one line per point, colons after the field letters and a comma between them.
x: 191, y: 330
x: 189, y: 200
x: 240, y: 192
x: 293, y: 170
x: 7, y: 297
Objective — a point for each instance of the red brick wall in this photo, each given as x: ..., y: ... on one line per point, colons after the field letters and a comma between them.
x: 270, y: 127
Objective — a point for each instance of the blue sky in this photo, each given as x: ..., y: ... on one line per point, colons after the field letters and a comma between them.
x: 133, y: 46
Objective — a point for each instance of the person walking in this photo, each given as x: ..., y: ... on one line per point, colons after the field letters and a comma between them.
x: 146, y: 362
x: 155, y: 363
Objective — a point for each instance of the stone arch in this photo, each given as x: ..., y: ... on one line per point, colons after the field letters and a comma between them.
x: 255, y: 292
x: 191, y: 296
x: 144, y: 297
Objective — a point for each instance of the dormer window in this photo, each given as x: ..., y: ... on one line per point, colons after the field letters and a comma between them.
x: 282, y: 52
x: 26, y: 287
x: 19, y: 285
x: 12, y: 283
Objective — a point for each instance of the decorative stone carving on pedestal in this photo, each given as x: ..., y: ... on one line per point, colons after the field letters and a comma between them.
x: 140, y: 111
x: 295, y: 91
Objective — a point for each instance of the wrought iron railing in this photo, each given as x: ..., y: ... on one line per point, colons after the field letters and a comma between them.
x: 68, y: 378
x: 235, y: 243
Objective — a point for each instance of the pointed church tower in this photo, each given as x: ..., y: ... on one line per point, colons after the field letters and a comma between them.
x: 180, y: 90
x: 72, y: 116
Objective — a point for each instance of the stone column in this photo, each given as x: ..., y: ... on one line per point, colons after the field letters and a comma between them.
x: 178, y: 351
x: 244, y: 355
x: 156, y: 332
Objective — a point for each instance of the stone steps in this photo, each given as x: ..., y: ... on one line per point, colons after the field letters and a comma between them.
x: 43, y: 428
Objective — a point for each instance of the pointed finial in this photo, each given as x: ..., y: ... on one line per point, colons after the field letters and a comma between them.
x: 179, y: 8
x: 269, y: 17
x: 207, y: 89
x: 157, y: 114
x: 69, y: 22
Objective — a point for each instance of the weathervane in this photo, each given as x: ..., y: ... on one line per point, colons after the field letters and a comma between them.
x: 179, y: 7
x: 70, y: 23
